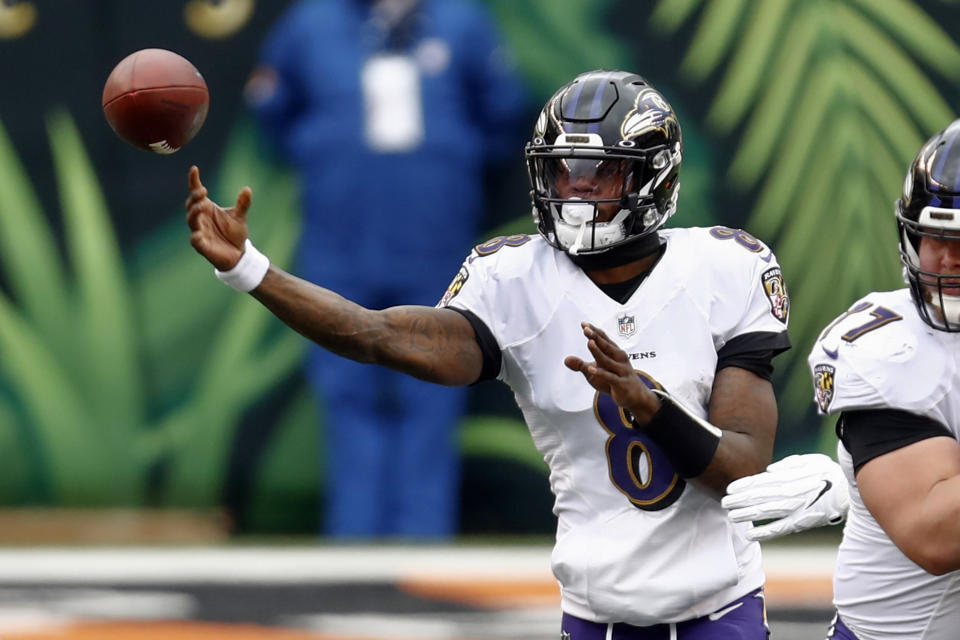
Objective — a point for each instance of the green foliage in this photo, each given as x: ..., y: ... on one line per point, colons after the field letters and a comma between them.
x: 81, y: 336
x: 556, y: 39
x: 502, y: 438
x: 826, y: 102
x: 285, y: 496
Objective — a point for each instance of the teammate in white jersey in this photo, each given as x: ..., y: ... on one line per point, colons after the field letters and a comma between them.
x: 637, y: 460
x: 890, y: 367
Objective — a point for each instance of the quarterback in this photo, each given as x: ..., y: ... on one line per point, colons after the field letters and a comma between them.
x: 890, y: 367
x: 640, y: 357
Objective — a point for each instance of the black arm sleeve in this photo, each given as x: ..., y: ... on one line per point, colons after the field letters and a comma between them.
x: 753, y: 352
x: 870, y: 433
x: 492, y: 359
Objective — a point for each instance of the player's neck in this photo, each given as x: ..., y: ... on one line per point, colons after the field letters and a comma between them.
x: 622, y: 272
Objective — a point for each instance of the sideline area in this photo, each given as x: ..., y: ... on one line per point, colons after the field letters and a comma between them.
x: 322, y: 592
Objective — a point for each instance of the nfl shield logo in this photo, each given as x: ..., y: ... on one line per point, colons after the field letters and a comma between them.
x: 626, y: 326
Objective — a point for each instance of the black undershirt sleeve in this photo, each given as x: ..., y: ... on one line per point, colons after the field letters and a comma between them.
x: 492, y: 359
x: 870, y: 433
x: 753, y: 352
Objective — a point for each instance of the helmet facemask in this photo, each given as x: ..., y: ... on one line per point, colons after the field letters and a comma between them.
x: 936, y: 294
x: 590, y: 199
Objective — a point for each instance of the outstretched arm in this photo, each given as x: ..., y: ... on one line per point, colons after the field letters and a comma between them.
x: 437, y: 345
x: 738, y: 441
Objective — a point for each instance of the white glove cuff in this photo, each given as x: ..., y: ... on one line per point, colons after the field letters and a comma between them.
x: 249, y: 271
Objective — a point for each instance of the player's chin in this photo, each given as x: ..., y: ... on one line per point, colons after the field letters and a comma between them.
x: 932, y: 289
x: 949, y: 287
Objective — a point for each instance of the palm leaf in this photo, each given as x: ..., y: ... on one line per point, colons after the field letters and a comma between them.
x: 111, y: 372
x: 799, y: 144
x: 715, y: 35
x: 74, y: 461
x: 890, y: 120
x: 15, y: 462
x: 773, y: 107
x: 668, y: 16
x: 29, y: 253
x: 501, y: 438
x: 576, y: 24
x: 744, y: 76
x: 893, y: 66
x: 920, y: 35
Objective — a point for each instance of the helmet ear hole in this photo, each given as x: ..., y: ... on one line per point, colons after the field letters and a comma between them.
x: 660, y: 160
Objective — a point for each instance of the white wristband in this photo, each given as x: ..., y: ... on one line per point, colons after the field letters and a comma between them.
x: 249, y: 271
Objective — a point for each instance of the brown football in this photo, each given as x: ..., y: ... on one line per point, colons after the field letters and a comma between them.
x: 155, y: 100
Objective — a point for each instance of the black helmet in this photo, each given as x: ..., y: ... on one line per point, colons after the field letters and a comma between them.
x: 603, y: 123
x: 930, y: 206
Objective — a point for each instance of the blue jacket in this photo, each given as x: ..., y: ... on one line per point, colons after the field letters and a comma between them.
x: 388, y: 209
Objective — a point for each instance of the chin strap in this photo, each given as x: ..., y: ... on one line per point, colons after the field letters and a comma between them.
x: 578, y: 243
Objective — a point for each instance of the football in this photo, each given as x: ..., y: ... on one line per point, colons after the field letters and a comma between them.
x: 155, y: 100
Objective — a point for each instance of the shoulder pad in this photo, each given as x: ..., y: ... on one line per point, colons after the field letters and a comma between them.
x: 878, y: 354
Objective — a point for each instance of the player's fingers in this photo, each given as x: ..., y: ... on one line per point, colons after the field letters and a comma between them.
x: 606, y: 360
x: 574, y: 363
x: 763, y: 533
x: 769, y: 531
x: 596, y: 330
x: 243, y: 202
x: 196, y: 195
x: 601, y: 379
x: 193, y: 178
x: 195, y: 214
x: 734, y: 501
x: 740, y: 515
x: 792, y: 491
x: 773, y: 482
x: 746, y: 499
x: 767, y: 511
x: 609, y: 347
x: 788, y: 463
x: 748, y: 482
x: 199, y: 241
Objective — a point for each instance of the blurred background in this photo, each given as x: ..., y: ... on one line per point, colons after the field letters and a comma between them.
x: 142, y: 402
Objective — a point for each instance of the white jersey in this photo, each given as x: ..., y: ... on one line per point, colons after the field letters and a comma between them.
x: 635, y: 543
x: 881, y: 355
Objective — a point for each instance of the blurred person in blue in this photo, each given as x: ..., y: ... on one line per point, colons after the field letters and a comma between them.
x: 389, y: 110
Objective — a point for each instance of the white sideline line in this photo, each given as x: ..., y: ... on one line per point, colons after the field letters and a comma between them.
x: 321, y: 564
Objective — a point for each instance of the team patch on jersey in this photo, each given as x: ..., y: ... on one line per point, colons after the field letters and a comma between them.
x: 823, y: 380
x: 776, y: 291
x: 626, y: 325
x: 455, y: 286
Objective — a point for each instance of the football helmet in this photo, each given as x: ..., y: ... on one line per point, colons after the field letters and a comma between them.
x: 930, y: 206
x: 604, y: 163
